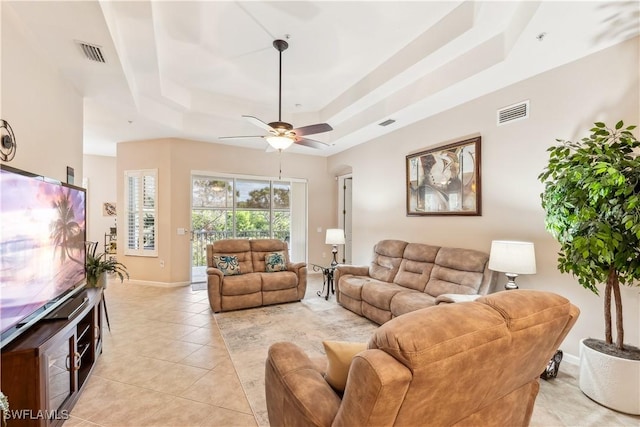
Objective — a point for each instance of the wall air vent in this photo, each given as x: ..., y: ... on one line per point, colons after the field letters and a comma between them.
x: 386, y: 122
x: 91, y: 51
x: 513, y: 113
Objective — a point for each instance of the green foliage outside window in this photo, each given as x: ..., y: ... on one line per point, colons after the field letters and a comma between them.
x: 213, y: 213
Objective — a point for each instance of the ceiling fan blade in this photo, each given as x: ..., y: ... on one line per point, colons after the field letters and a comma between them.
x: 241, y: 137
x: 256, y: 121
x: 311, y: 143
x: 313, y: 129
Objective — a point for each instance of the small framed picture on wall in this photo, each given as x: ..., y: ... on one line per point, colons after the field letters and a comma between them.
x: 109, y: 209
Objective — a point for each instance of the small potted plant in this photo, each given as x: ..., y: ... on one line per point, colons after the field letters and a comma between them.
x: 4, y: 408
x: 97, y: 267
x: 592, y: 204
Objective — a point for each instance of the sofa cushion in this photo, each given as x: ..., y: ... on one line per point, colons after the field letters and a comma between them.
x: 379, y: 294
x: 275, y: 262
x: 352, y: 285
x: 457, y: 271
x: 241, y: 284
x: 261, y: 248
x: 462, y: 259
x: 239, y: 248
x: 375, y: 314
x: 279, y: 280
x: 408, y: 301
x: 228, y: 264
x: 387, y: 256
x: 416, y: 266
x: 413, y: 341
x: 237, y: 302
x: 339, y: 356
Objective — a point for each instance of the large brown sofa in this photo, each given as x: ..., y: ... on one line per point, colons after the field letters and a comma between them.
x: 405, y: 277
x: 252, y: 285
x: 468, y: 364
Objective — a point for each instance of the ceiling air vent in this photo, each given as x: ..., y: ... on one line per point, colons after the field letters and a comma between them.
x: 513, y: 113
x: 387, y: 122
x: 92, y: 52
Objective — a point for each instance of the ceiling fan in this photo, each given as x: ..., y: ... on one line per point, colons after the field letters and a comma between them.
x: 282, y: 134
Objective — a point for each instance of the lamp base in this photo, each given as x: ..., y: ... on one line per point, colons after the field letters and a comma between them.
x: 511, y: 283
x: 334, y: 251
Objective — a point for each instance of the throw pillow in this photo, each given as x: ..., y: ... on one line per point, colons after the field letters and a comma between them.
x: 275, y: 262
x: 228, y: 264
x: 339, y: 355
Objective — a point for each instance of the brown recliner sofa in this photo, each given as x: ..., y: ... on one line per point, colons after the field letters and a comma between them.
x: 473, y: 364
x: 405, y: 277
x: 253, y: 286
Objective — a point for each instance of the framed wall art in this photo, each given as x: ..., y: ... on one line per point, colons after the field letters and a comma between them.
x: 445, y: 180
x: 109, y: 209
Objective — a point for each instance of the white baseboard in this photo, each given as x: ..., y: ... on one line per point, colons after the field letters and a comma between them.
x: 570, y: 358
x: 158, y: 284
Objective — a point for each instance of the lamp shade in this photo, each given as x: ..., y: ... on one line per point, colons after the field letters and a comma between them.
x: 335, y: 236
x: 279, y: 142
x: 512, y: 257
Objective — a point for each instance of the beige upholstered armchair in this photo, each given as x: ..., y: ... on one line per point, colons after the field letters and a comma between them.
x: 471, y: 363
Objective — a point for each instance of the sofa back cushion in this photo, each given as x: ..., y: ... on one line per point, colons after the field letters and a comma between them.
x: 387, y: 256
x: 458, y: 271
x: 462, y: 341
x: 240, y: 248
x: 262, y: 248
x: 416, y: 265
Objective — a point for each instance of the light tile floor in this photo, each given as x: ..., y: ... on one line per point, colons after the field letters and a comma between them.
x: 164, y: 363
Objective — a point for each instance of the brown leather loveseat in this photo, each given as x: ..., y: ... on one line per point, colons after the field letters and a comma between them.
x: 405, y: 277
x: 244, y: 273
x: 468, y: 364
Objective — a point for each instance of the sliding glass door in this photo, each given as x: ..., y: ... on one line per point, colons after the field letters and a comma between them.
x: 225, y: 207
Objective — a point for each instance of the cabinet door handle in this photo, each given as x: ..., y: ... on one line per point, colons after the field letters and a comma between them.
x: 78, y: 361
x: 67, y: 362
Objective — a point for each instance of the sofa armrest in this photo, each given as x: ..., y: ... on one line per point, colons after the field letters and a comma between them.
x: 450, y: 298
x: 356, y: 270
x: 300, y: 268
x: 214, y: 288
x: 215, y: 272
x: 295, y: 266
x: 296, y: 391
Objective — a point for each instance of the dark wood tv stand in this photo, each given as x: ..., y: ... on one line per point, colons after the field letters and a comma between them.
x: 45, y: 368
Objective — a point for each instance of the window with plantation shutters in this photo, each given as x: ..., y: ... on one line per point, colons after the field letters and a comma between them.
x: 141, y: 212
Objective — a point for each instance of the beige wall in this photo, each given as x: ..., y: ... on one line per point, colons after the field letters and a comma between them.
x: 564, y: 104
x: 46, y: 115
x: 100, y: 175
x: 43, y: 109
x: 175, y: 159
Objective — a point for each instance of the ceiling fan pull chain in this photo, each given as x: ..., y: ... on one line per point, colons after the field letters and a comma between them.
x: 280, y: 164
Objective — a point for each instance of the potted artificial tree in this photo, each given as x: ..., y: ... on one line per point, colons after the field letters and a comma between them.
x: 592, y: 203
x: 97, y: 267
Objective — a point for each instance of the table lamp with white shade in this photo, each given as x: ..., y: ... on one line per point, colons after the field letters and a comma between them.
x: 512, y: 258
x: 335, y: 237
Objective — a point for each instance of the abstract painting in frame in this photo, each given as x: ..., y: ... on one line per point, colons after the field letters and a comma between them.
x: 445, y: 180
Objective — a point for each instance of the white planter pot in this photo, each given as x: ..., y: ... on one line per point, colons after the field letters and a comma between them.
x: 611, y: 381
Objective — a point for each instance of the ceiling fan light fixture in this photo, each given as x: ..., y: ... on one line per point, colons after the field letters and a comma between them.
x: 282, y: 134
x: 279, y: 142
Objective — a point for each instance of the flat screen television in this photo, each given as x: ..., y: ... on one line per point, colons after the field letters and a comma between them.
x: 42, y: 247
